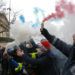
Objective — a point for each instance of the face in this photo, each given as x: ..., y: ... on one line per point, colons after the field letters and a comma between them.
x: 20, y: 52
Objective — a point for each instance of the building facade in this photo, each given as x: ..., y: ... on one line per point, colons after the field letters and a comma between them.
x: 4, y: 29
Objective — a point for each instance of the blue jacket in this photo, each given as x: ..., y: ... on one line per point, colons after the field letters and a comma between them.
x: 16, y: 68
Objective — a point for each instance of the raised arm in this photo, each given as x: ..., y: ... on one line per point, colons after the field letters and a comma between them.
x: 59, y: 44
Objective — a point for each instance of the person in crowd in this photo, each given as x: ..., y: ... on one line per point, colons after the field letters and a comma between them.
x: 2, y: 49
x: 68, y: 50
x: 4, y: 62
x: 42, y: 64
x: 50, y: 64
x: 29, y: 47
x: 16, y: 63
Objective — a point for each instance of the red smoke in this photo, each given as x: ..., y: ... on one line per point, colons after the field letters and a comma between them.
x: 62, y: 6
x: 67, y: 6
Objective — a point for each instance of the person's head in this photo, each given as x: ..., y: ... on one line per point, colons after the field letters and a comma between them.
x: 15, y: 51
x: 3, y: 49
x: 29, y: 46
x: 18, y: 52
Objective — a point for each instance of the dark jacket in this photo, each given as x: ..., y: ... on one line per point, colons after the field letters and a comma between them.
x: 45, y: 64
x: 68, y: 50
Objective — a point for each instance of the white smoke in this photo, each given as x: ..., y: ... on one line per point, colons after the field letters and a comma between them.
x: 23, y: 32
x: 69, y: 28
x: 64, y: 29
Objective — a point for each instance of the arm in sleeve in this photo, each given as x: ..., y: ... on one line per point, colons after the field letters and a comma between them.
x: 29, y: 60
x: 59, y: 44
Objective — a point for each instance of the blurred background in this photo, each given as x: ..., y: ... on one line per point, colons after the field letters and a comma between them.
x: 23, y: 18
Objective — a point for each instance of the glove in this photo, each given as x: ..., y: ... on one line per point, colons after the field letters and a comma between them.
x: 44, y: 31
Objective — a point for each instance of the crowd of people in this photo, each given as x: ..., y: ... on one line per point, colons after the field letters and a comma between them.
x: 30, y: 58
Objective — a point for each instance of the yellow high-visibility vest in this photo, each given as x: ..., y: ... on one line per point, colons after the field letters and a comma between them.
x: 19, y: 68
x: 33, y: 55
